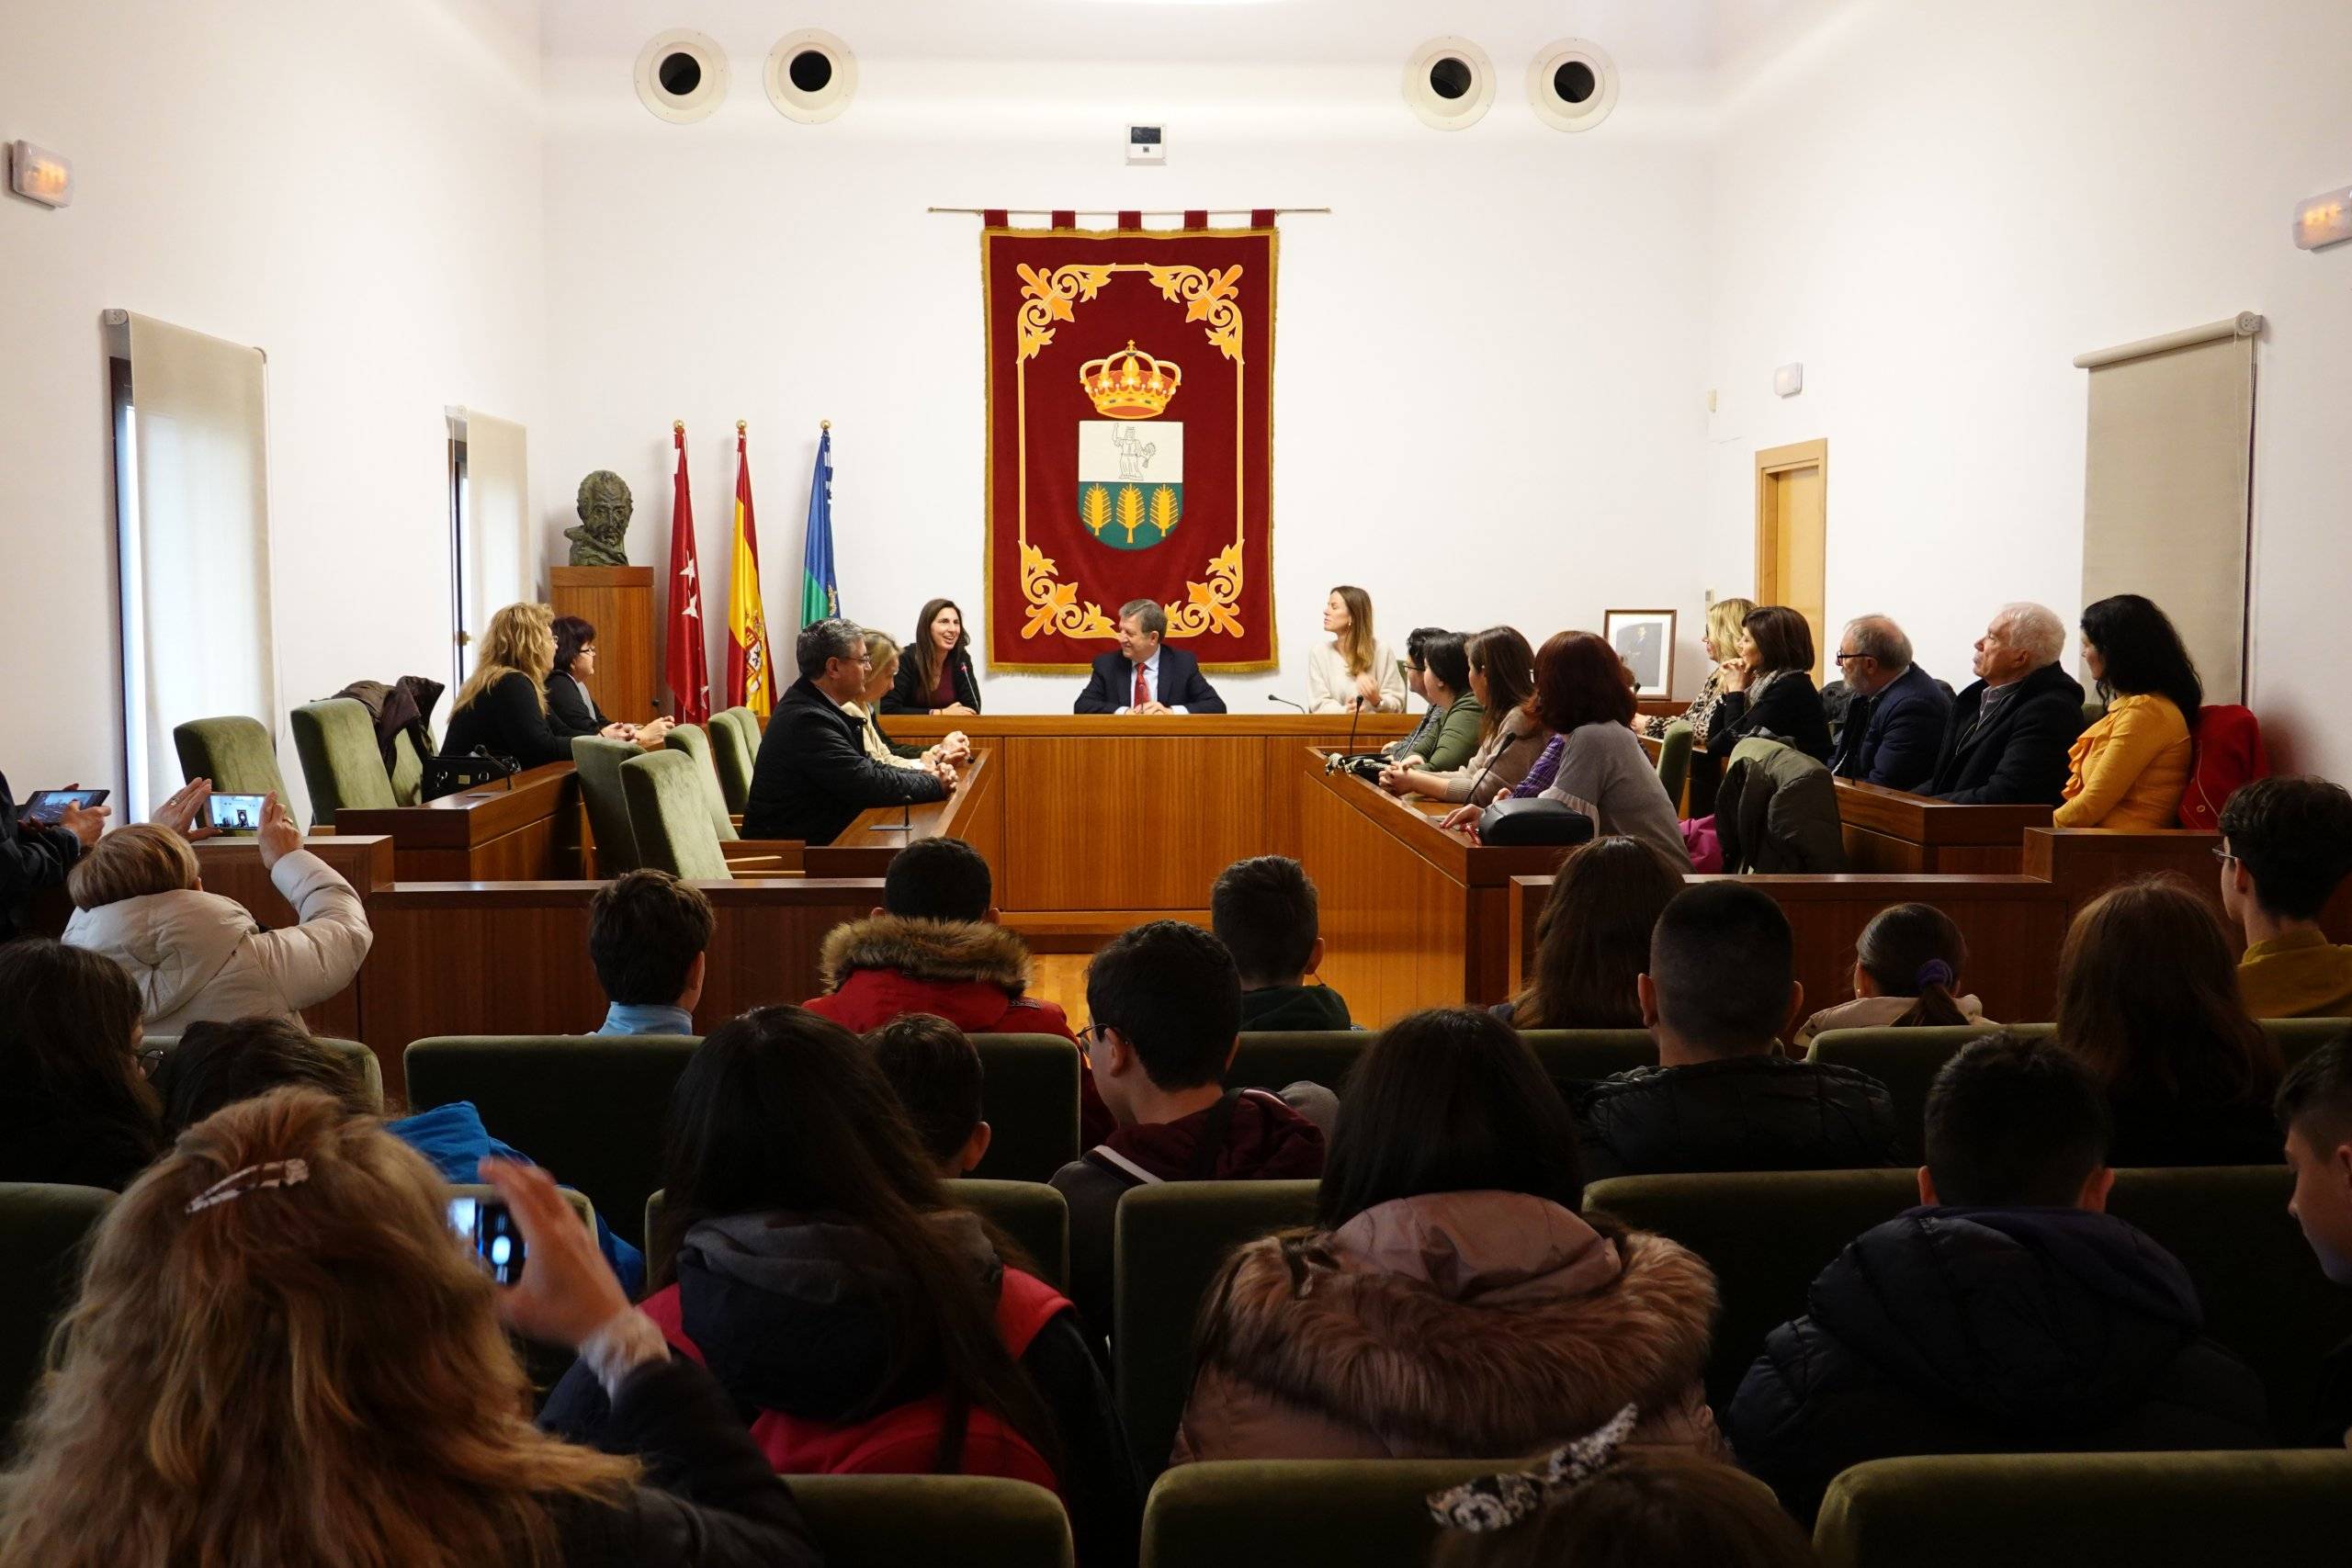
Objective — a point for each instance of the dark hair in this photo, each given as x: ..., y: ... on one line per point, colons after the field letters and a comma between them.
x: 1449, y: 1100
x: 218, y: 1065
x: 572, y: 634
x: 645, y: 929
x: 1580, y: 680
x: 938, y: 879
x: 1264, y: 910
x: 1173, y: 991
x: 1652, y: 1508
x: 1509, y: 665
x: 1913, y: 950
x: 2294, y: 838
x: 925, y: 653
x: 1447, y: 656
x: 66, y: 1041
x: 2142, y: 653
x: 935, y: 1071
x: 1722, y: 960
x: 1592, y: 940
x: 2015, y: 1120
x: 1783, y: 638
x: 2319, y: 1088
x: 2148, y: 996
x: 1417, y: 641
x: 781, y: 1111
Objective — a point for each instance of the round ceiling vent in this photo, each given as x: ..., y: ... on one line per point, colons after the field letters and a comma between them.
x: 812, y: 76
x: 1573, y: 84
x: 682, y: 76
x: 1449, y: 82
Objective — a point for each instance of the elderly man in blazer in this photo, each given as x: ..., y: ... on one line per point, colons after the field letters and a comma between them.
x: 1894, y: 726
x: 1143, y: 677
x: 813, y: 777
x: 2009, y: 733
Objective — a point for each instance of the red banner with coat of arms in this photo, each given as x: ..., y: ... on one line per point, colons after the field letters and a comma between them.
x: 1130, y: 441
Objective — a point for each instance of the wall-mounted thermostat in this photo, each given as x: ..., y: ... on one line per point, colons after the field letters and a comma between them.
x: 1145, y: 145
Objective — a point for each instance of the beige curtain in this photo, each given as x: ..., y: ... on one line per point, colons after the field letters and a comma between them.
x: 2168, y: 485
x: 501, y: 562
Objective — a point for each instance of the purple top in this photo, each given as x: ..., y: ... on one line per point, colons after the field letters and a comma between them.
x: 1539, y: 777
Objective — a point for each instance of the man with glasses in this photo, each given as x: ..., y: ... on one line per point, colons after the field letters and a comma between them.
x: 1896, y: 721
x: 2286, y: 848
x: 813, y: 777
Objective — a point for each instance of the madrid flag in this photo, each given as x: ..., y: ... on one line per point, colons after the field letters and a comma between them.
x: 688, y: 661
x: 750, y: 670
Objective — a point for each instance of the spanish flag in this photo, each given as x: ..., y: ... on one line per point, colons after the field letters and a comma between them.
x: 751, y: 669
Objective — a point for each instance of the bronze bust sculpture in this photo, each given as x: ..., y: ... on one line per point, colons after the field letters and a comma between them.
x: 601, y: 539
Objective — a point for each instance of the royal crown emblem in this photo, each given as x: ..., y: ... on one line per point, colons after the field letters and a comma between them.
x: 1129, y: 383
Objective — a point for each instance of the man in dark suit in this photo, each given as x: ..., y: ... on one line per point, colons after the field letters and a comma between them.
x: 813, y: 777
x: 1894, y: 726
x: 1143, y: 677
x: 2009, y: 733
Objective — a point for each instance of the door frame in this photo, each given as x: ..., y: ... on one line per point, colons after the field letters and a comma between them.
x: 1770, y: 462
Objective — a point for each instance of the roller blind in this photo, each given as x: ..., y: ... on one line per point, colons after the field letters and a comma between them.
x: 500, y: 563
x: 192, y: 515
x: 2167, y: 484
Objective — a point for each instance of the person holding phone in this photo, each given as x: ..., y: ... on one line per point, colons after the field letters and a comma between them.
x: 381, y: 1413
x: 35, y: 854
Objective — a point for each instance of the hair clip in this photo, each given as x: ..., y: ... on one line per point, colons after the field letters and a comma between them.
x: 1935, y: 972
x: 1499, y: 1502
x: 269, y: 1173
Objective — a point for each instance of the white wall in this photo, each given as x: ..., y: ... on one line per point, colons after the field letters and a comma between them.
x: 357, y: 190
x: 1936, y: 207
x: 1489, y: 356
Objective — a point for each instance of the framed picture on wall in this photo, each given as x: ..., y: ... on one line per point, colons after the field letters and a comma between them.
x: 1644, y: 640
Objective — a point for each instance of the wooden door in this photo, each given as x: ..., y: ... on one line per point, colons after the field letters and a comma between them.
x: 1792, y: 530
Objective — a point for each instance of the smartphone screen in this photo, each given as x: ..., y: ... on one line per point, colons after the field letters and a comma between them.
x: 488, y: 1226
x: 48, y: 806
x: 234, y: 813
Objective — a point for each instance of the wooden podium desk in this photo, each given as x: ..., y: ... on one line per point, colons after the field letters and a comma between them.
x: 1414, y: 916
x: 1102, y: 821
x: 974, y: 813
x: 1895, y: 830
x: 526, y: 827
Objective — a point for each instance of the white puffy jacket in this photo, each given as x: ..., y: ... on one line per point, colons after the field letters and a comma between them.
x: 198, y: 955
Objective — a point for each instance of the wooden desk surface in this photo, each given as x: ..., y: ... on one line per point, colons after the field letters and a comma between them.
x: 1892, y: 830
x: 1382, y: 728
x: 524, y: 827
x: 972, y: 812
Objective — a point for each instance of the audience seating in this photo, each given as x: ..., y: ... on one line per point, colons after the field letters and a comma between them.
x: 1324, y: 1055
x: 235, y: 753
x: 590, y: 1108
x: 1674, y: 760
x: 2258, y: 1510
x: 41, y: 1231
x: 734, y: 748
x: 1030, y: 1214
x: 973, y: 1521
x: 598, y: 764
x: 342, y: 764
x: 1029, y: 1097
x: 670, y: 816
x: 1579, y: 1055
x: 692, y: 739
x: 1168, y: 1242
x: 371, y: 1070
x: 1364, y: 1513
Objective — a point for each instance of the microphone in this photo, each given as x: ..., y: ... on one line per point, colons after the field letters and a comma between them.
x: 1472, y: 798
x: 1286, y: 702
x: 1348, y: 755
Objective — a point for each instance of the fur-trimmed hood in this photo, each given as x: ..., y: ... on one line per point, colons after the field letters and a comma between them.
x: 1465, y: 1324
x: 934, y: 952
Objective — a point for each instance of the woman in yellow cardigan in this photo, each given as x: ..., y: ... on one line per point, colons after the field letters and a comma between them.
x: 2129, y: 770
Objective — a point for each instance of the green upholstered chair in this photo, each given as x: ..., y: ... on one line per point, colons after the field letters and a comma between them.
x: 695, y: 742
x: 1031, y: 1213
x: 734, y: 748
x: 2256, y: 1509
x: 1275, y: 1059
x: 1168, y: 1242
x: 1765, y: 1234
x: 1674, y: 760
x: 1905, y: 1060
x: 2299, y: 1037
x: 41, y: 1231
x: 363, y: 1060
x: 972, y: 1522
x: 2265, y: 1297
x: 342, y: 764
x: 408, y: 769
x: 1581, y: 1055
x: 588, y: 1107
x: 1029, y: 1094
x: 668, y: 816
x: 598, y: 763
x: 235, y: 753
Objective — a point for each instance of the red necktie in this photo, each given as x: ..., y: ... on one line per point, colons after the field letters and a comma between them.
x: 1143, y: 692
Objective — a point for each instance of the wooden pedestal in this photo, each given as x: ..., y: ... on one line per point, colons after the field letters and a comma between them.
x: 618, y: 601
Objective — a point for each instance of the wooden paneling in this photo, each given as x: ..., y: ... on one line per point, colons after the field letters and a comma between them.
x: 618, y: 601
x: 1891, y: 830
x: 231, y: 868
x: 974, y: 813
x: 526, y: 828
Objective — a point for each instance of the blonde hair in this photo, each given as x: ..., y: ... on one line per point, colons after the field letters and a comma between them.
x: 129, y: 862
x: 1356, y: 643
x: 1725, y: 619
x: 310, y: 1373
x: 883, y: 650
x: 520, y: 641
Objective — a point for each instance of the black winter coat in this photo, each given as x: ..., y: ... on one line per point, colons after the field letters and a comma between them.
x: 813, y: 777
x: 1789, y: 710
x: 2020, y: 757
x: 1757, y: 1112
x: 31, y: 857
x: 1955, y: 1330
x: 905, y: 698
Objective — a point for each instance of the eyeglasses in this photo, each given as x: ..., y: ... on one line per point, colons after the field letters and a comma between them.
x: 1088, y: 1038
x: 1850, y: 658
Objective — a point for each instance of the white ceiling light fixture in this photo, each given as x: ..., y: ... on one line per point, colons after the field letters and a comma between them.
x: 812, y: 76
x: 682, y: 76
x: 1449, y: 83
x: 1572, y: 83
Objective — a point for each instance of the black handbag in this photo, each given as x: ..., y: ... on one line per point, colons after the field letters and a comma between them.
x: 447, y: 775
x: 1533, y: 820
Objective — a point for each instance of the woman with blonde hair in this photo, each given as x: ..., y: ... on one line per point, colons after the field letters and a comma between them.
x: 280, y: 1354
x: 501, y: 709
x: 1354, y: 669
x: 883, y: 655
x: 139, y: 898
x: 1721, y: 640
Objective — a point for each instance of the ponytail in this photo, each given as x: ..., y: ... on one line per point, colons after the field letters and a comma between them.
x: 1936, y: 1007
x: 1913, y: 950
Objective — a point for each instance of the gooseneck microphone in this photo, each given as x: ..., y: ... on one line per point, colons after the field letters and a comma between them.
x: 1286, y: 702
